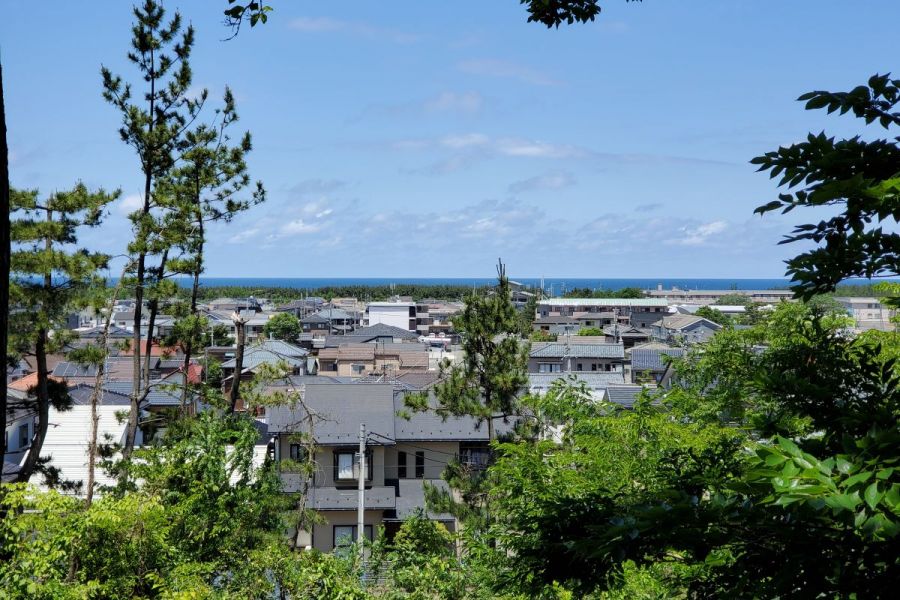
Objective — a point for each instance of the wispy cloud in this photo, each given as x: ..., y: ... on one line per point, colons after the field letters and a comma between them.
x: 550, y: 181
x: 354, y: 28
x: 649, y: 207
x: 129, y: 204
x: 503, y: 69
x: 460, y: 102
x: 699, y: 235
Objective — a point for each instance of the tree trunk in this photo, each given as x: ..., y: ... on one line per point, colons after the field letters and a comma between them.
x: 151, y: 323
x: 189, y: 346
x: 239, y: 324
x: 134, y: 413
x: 43, y: 406
x: 98, y: 390
x: 4, y: 257
x: 42, y: 389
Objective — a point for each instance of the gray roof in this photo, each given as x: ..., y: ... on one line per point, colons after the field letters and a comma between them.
x: 339, y: 410
x: 540, y: 382
x: 334, y: 314
x: 81, y: 394
x: 281, y: 347
x: 383, y: 330
x: 162, y: 393
x: 262, y: 354
x: 71, y: 369
x: 558, y: 350
x: 681, y: 322
x: 651, y: 359
x: 329, y: 498
x: 429, y: 426
x: 411, y: 498
x: 624, y: 395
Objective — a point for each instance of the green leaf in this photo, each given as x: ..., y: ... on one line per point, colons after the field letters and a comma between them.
x: 858, y: 478
x: 872, y: 495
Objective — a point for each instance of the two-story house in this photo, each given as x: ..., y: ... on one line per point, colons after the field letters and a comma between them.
x: 558, y: 357
x: 402, y: 455
x: 684, y: 329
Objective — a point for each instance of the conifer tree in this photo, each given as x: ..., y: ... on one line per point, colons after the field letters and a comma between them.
x: 154, y: 125
x: 493, y: 372
x: 49, y: 275
x: 207, y: 182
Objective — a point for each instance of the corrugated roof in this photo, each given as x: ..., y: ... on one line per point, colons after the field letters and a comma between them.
x: 560, y: 350
x: 624, y: 395
x: 651, y: 359
x: 541, y: 382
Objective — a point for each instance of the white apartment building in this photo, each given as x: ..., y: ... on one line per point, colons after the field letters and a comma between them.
x: 395, y: 314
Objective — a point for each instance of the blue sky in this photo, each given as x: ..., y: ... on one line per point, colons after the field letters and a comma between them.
x: 410, y: 138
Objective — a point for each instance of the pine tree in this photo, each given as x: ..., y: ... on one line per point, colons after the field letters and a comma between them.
x: 493, y: 372
x: 155, y: 126
x: 48, y: 277
x: 486, y: 385
x: 207, y: 182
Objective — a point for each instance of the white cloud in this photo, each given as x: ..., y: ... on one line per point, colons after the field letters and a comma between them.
x: 298, y: 227
x: 355, y: 28
x: 505, y: 70
x: 130, y: 203
x: 466, y: 102
x: 243, y: 236
x: 696, y: 236
x: 529, y: 148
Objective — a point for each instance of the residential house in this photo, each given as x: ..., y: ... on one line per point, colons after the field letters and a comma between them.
x: 628, y: 335
x: 358, y: 360
x: 640, y: 312
x: 687, y: 329
x: 401, y: 456
x: 329, y: 320
x: 596, y: 382
x: 266, y: 352
x: 396, y: 314
x: 869, y: 313
x: 303, y: 307
x: 649, y: 361
x: 558, y: 357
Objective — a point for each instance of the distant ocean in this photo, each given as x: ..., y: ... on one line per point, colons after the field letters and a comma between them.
x: 556, y: 285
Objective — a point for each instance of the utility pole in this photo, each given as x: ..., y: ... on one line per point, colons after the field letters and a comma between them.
x: 361, y: 487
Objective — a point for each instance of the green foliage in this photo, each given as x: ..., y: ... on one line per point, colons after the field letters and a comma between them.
x: 714, y: 315
x: 595, y: 331
x: 283, y: 326
x: 627, y: 292
x: 856, y: 176
x: 539, y: 335
x: 735, y: 300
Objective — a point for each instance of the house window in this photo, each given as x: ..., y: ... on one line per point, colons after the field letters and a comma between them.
x: 345, y: 467
x: 401, y: 465
x: 297, y: 452
x: 357, y: 369
x: 593, y: 366
x: 578, y: 367
x: 548, y: 368
x: 23, y: 435
x: 345, y: 535
x: 420, y: 464
x: 608, y: 367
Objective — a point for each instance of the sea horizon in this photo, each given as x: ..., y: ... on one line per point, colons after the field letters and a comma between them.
x: 558, y: 284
